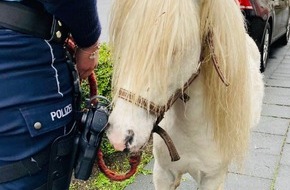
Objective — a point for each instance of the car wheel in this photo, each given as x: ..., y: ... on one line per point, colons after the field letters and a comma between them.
x: 265, y: 46
x: 285, y: 38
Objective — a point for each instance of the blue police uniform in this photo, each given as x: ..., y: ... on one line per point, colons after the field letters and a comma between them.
x: 36, y: 98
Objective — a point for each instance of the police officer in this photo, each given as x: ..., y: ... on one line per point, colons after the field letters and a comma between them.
x: 36, y: 98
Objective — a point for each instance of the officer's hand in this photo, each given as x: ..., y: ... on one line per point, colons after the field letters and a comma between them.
x: 87, y: 60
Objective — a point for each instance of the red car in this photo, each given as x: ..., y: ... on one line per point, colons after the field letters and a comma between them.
x: 268, y: 21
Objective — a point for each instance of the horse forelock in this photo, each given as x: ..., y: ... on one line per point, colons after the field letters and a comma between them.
x: 150, y: 39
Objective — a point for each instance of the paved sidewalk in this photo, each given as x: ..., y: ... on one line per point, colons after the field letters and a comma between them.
x: 267, y: 166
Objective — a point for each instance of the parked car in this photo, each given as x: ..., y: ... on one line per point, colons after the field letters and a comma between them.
x: 268, y: 21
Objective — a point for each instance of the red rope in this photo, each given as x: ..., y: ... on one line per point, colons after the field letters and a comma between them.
x: 93, y: 87
x: 134, y: 161
x: 70, y: 45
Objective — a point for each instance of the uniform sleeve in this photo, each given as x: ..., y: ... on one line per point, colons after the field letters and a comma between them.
x: 81, y: 17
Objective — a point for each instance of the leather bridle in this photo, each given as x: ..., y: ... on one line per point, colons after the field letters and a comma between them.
x: 151, y: 106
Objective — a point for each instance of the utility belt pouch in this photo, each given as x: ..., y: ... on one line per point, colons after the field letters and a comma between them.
x: 61, y: 161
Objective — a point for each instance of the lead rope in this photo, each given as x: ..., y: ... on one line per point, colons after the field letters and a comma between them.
x: 134, y: 160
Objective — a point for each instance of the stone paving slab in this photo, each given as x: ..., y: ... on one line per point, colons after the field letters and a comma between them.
x: 276, y: 111
x: 266, y: 143
x: 279, y: 83
x: 187, y: 182
x: 275, y: 58
x: 285, y: 160
x: 277, y: 100
x: 243, y: 182
x: 270, y: 125
x: 281, y: 71
x: 144, y: 181
x: 283, y: 178
x: 286, y: 63
x: 281, y: 76
x: 258, y: 165
x: 278, y: 91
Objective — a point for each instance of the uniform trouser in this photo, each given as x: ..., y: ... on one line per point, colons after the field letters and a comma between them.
x: 35, y: 101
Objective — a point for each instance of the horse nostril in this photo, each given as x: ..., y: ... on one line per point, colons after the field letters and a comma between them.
x: 126, y: 150
x: 129, y: 138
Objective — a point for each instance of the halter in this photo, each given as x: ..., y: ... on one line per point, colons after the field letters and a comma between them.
x: 156, y: 109
x: 160, y: 110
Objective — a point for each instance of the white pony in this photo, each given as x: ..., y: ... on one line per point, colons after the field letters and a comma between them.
x: 157, y: 46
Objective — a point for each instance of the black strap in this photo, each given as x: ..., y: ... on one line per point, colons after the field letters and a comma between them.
x: 28, y: 166
x: 29, y: 17
x: 25, y: 19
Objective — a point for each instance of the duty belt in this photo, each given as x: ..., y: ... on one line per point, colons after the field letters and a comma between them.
x: 29, y: 18
x: 28, y: 166
x: 58, y: 158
